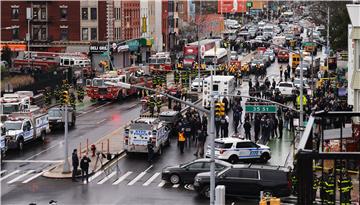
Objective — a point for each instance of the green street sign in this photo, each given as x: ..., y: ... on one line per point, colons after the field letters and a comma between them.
x: 309, y: 44
x: 249, y: 4
x: 260, y: 108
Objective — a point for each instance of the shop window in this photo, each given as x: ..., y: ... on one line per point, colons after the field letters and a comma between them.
x: 93, y: 14
x: 84, y: 14
x: 85, y: 34
x: 63, y: 13
x: 15, y: 13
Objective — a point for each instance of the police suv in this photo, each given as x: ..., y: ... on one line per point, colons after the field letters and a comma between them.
x: 140, y: 131
x: 234, y: 149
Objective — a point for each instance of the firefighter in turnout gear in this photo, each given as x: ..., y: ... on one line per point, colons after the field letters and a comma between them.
x: 345, y: 186
x: 158, y: 104
x: 316, y: 185
x: 48, y: 96
x: 73, y: 100
x: 151, y: 105
x: 80, y: 94
x: 329, y: 189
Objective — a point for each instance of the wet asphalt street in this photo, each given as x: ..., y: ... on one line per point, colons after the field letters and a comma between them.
x: 131, y: 179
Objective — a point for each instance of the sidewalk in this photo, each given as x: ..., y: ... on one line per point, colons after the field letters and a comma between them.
x: 110, y: 143
x: 80, y: 106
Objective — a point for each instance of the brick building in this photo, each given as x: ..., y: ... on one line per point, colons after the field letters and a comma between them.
x: 130, y: 22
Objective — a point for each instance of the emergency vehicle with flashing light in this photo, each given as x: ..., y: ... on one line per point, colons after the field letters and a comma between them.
x: 140, y: 131
x: 160, y: 62
x: 234, y: 149
x: 23, y: 127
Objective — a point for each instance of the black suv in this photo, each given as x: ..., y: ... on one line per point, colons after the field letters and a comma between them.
x: 247, y: 180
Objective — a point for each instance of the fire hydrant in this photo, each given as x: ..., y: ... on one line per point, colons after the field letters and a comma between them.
x: 93, y: 150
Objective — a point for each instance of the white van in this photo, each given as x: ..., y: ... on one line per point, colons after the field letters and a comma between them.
x: 222, y: 85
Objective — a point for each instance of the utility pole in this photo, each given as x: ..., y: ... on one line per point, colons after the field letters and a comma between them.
x: 29, y: 18
x: 66, y: 167
x: 328, y: 37
x: 212, y: 142
x: 199, y: 49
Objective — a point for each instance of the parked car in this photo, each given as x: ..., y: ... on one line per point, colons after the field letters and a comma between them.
x: 234, y: 149
x: 233, y: 55
x: 196, y: 83
x: 286, y: 88
x: 247, y: 180
x: 185, y: 173
x: 271, y: 54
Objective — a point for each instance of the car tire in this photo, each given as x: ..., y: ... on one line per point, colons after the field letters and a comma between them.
x: 21, y: 144
x: 206, y: 191
x: 265, y: 157
x: 175, y: 179
x: 233, y: 159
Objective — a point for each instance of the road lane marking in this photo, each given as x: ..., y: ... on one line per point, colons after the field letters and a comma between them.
x: 151, y: 166
x: 92, y: 110
x: 122, y: 178
x: 45, y: 150
x: 21, y: 176
x: 95, y: 175
x: 151, y: 179
x: 107, y: 178
x: 33, y: 177
x: 2, y: 171
x: 162, y: 183
x: 32, y: 161
x: 175, y: 185
x: 9, y: 175
x: 136, y: 178
x: 101, y: 121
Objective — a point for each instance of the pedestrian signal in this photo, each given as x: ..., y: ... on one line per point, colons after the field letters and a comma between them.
x: 66, y: 98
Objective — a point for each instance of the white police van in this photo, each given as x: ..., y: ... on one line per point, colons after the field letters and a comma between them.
x: 234, y: 149
x: 140, y: 131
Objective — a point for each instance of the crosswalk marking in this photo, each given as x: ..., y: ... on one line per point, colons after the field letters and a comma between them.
x: 122, y: 178
x: 107, y: 178
x: 151, y: 179
x: 95, y: 175
x: 136, y: 178
x: 21, y: 176
x: 162, y: 183
x: 9, y: 175
x: 2, y: 171
x: 33, y: 177
x: 175, y: 185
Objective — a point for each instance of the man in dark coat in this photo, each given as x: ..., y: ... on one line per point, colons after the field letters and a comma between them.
x: 247, y: 128
x: 84, y: 165
x: 75, y: 164
x: 257, y: 123
x: 150, y: 148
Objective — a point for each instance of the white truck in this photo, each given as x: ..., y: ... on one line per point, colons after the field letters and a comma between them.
x: 140, y: 131
x: 14, y: 102
x: 23, y: 127
x: 222, y: 85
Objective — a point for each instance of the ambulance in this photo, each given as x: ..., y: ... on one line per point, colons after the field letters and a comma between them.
x: 222, y: 85
x: 139, y: 132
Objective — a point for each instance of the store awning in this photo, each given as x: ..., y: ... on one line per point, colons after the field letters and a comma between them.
x: 14, y: 47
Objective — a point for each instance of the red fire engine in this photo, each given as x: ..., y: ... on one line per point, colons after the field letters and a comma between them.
x: 98, y: 89
x: 160, y: 62
x: 47, y: 60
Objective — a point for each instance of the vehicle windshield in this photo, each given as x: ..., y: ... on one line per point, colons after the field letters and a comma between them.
x: 222, y: 145
x: 190, y: 57
x: 161, y: 60
x: 12, y: 125
x: 55, y: 113
x: 10, y: 108
x: 98, y: 82
x: 153, y: 60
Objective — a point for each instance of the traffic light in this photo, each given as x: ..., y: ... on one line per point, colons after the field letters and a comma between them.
x: 65, y: 97
x: 220, y: 109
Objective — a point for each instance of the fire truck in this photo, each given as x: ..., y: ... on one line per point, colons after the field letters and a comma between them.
x: 191, y: 50
x: 160, y: 62
x: 98, y: 89
x: 46, y: 60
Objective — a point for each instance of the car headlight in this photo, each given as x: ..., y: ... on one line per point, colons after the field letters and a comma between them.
x: 166, y: 171
x: 197, y: 179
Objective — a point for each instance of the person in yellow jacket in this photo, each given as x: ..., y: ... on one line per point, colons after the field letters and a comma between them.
x: 298, y: 101
x: 181, y: 140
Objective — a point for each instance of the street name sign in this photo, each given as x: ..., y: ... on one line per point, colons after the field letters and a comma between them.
x: 260, y: 108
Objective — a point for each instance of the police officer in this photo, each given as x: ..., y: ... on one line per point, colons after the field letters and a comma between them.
x: 345, y: 186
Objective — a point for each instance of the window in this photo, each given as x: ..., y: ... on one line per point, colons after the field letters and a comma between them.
x: 215, y: 87
x: 63, y: 13
x: 64, y: 34
x: 35, y: 33
x: 248, y: 174
x: 176, y: 23
x: 117, y: 13
x: 245, y: 145
x: 223, y: 145
x: 93, y: 34
x: 232, y: 173
x: 84, y: 14
x: 43, y: 34
x: 43, y: 13
x: 15, y: 13
x: 36, y: 13
x: 193, y: 166
x: 15, y: 33
x: 93, y: 14
x: 85, y: 34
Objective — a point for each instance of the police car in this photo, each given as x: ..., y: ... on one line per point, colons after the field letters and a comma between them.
x: 234, y: 149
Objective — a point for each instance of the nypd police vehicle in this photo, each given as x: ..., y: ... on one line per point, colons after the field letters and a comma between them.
x: 234, y: 149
